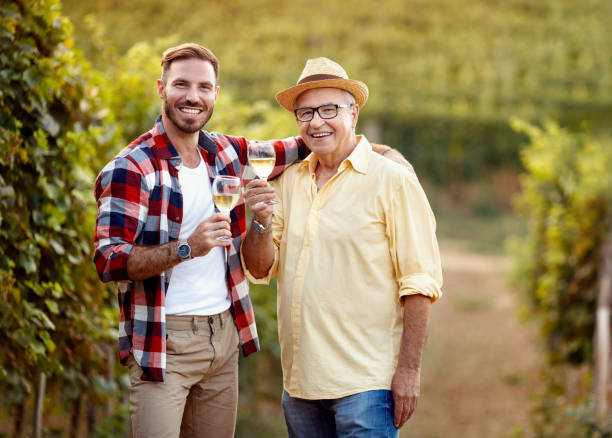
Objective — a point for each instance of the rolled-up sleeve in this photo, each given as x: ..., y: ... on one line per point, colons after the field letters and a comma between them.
x: 411, y: 230
x: 123, y: 197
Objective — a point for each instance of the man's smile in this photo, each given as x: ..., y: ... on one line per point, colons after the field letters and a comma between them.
x: 190, y: 110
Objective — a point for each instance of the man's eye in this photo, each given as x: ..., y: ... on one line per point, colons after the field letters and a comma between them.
x: 327, y: 110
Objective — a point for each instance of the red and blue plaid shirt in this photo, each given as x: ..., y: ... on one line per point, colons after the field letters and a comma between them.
x: 140, y: 203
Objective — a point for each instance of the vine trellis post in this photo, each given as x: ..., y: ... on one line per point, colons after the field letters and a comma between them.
x: 603, y: 379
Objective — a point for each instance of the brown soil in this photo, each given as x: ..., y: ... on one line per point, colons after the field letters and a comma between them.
x: 480, y: 363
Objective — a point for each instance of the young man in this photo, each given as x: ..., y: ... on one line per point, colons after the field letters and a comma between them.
x: 353, y: 243
x: 183, y: 298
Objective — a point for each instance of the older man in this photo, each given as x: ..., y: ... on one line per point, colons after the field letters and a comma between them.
x: 353, y: 243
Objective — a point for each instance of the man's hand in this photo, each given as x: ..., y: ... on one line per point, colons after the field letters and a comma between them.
x: 148, y: 261
x: 395, y: 155
x: 204, y: 238
x: 406, y: 389
x: 392, y: 154
x: 257, y: 195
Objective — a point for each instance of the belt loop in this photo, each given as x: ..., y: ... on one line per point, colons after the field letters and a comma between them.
x: 221, y: 319
x: 211, y: 323
x: 194, y: 324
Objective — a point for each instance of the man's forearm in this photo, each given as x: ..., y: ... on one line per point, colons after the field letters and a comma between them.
x: 150, y: 261
x: 258, y: 252
x: 416, y: 320
x: 406, y: 382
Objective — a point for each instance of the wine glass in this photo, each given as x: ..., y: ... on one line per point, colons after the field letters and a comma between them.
x: 226, y: 193
x: 262, y: 159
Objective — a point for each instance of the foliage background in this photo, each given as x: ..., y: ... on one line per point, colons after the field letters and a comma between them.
x: 445, y: 78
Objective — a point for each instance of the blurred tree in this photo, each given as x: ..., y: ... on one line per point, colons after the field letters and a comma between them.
x: 567, y: 204
x: 54, y: 314
x: 444, y: 77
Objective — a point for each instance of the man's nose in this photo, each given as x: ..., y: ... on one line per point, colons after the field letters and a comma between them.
x: 317, y: 120
x: 192, y: 95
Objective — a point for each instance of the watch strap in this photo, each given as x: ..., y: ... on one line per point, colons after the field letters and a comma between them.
x: 260, y: 228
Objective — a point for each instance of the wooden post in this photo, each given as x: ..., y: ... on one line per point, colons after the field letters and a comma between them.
x: 75, y: 416
x: 602, y: 332
x: 40, y: 400
x: 18, y: 414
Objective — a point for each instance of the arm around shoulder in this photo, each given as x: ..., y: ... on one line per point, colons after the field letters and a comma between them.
x: 392, y: 154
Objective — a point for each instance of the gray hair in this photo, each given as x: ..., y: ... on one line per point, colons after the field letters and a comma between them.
x: 350, y: 98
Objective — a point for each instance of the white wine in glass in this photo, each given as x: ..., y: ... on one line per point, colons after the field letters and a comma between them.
x: 226, y: 202
x: 226, y: 193
x: 262, y: 159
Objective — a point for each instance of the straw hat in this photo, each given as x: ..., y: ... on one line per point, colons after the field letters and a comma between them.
x: 323, y: 73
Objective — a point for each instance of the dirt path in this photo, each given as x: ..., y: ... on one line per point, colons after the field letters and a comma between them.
x: 480, y: 363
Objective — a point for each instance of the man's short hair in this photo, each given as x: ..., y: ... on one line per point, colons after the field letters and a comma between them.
x: 350, y: 98
x: 188, y: 51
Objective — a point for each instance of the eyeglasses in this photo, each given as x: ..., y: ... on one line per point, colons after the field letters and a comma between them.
x: 328, y: 111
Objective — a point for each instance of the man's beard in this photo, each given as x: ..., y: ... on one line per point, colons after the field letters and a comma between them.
x: 187, y: 126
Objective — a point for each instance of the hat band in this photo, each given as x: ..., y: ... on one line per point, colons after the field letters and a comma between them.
x: 318, y: 78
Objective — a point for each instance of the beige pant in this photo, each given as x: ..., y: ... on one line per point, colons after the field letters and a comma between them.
x: 200, y: 394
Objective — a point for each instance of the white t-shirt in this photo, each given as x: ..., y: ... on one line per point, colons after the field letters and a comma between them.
x: 197, y: 286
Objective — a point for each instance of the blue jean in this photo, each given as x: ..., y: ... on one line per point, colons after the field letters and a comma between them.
x: 366, y: 414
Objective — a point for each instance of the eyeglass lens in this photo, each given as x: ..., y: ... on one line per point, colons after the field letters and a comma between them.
x: 325, y: 112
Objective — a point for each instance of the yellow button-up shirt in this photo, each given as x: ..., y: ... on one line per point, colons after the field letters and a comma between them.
x: 344, y: 256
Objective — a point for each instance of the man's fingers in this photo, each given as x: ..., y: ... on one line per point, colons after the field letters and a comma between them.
x: 217, y: 235
x: 414, y: 401
x: 216, y: 221
x: 252, y: 198
x: 406, y: 409
x: 398, y: 412
x: 253, y: 201
x: 401, y: 414
x: 257, y: 183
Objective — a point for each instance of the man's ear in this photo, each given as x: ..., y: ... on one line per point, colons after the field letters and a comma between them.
x: 355, y: 114
x: 160, y: 88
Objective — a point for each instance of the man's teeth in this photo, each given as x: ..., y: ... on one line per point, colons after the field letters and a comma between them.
x: 190, y: 111
x: 321, y: 134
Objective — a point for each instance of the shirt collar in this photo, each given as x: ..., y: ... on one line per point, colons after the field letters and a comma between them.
x: 164, y: 148
x: 358, y: 158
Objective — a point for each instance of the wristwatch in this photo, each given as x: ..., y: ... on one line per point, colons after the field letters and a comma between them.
x: 260, y: 228
x: 183, y: 250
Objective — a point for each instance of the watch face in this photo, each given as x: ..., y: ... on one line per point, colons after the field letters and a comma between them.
x: 183, y: 251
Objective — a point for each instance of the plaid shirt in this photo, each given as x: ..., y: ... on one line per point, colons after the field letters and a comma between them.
x: 140, y: 203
